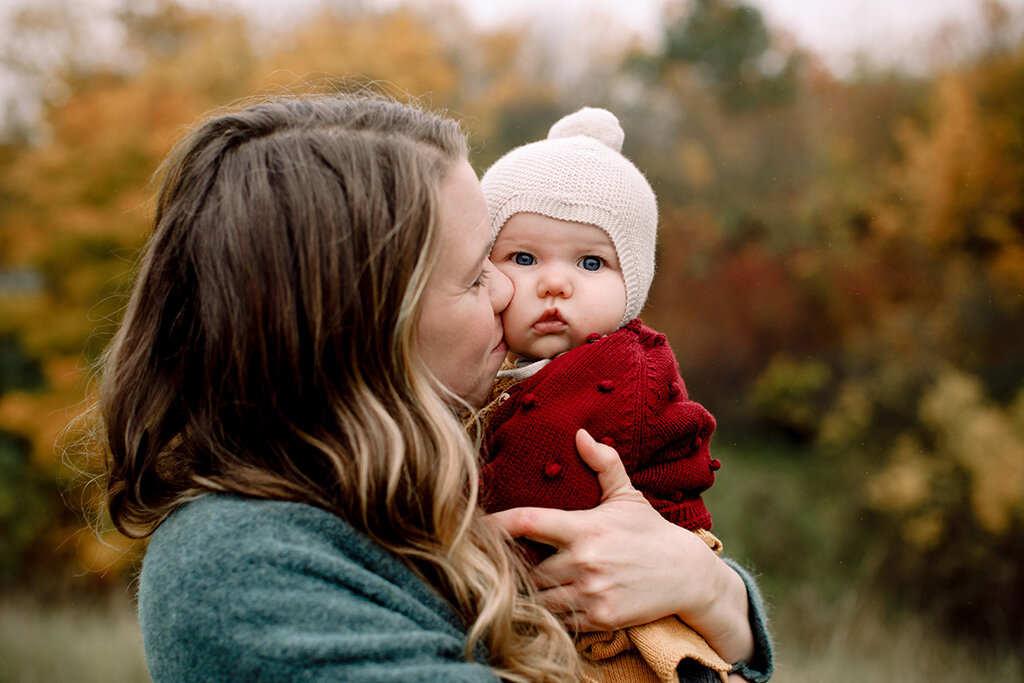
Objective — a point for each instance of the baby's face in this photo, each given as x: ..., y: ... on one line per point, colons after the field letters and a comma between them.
x: 567, y: 280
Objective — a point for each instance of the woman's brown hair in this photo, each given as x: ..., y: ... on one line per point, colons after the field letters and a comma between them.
x: 269, y: 351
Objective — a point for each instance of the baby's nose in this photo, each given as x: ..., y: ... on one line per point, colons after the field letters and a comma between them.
x: 554, y: 282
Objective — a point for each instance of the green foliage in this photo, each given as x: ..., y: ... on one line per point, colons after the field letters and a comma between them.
x: 26, y: 508
x: 730, y: 45
x: 16, y: 370
x: 789, y: 394
x: 516, y: 124
x: 900, y: 266
x: 849, y: 599
x: 787, y: 513
x: 936, y: 379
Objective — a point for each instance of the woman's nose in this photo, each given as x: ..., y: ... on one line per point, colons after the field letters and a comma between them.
x: 554, y: 282
x: 500, y: 288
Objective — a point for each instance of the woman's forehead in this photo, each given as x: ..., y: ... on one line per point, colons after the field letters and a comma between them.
x: 464, y: 222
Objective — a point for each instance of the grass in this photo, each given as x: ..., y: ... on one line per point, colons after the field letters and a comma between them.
x: 857, y: 639
x: 86, y: 644
x: 849, y: 642
x: 777, y: 510
x: 780, y: 511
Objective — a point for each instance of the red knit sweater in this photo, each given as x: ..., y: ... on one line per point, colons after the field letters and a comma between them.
x: 625, y: 390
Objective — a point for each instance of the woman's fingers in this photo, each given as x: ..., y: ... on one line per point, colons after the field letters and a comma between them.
x: 564, y: 601
x: 553, y: 527
x: 559, y: 569
x: 560, y: 599
x: 583, y: 622
x: 578, y: 613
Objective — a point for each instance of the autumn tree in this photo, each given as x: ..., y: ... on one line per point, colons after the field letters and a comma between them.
x: 936, y: 380
x: 74, y: 209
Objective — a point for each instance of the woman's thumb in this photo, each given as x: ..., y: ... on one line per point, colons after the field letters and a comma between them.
x: 607, y: 464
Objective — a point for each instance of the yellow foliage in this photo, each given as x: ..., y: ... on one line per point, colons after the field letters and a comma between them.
x: 956, y: 174
x: 394, y: 51
x: 904, y: 483
x: 75, y: 209
x: 984, y: 441
x: 1008, y: 267
x: 956, y: 193
x: 696, y: 164
x: 848, y: 418
x: 969, y: 438
x: 924, y: 531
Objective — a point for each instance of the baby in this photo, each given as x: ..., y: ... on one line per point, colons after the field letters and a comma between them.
x: 575, y: 225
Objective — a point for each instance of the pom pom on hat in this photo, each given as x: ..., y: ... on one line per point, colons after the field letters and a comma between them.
x: 599, y: 124
x: 578, y: 174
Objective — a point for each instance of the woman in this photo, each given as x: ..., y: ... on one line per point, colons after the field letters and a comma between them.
x: 313, y: 302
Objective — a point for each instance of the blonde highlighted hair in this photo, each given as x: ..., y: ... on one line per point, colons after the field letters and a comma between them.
x: 269, y: 350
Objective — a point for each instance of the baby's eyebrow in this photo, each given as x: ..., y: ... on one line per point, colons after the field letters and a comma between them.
x: 597, y: 246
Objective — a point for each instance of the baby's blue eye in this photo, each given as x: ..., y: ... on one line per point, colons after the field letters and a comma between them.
x: 590, y: 263
x: 524, y: 259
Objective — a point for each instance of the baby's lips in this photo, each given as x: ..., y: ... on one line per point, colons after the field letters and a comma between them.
x: 549, y: 326
x: 550, y: 322
x: 551, y: 315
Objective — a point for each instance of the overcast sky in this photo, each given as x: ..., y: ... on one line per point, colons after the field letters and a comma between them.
x: 837, y: 29
x: 886, y: 31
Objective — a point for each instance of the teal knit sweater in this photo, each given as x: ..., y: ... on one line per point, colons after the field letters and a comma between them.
x: 236, y: 589
x: 243, y: 590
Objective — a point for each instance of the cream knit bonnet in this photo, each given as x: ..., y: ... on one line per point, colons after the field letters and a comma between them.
x: 579, y: 174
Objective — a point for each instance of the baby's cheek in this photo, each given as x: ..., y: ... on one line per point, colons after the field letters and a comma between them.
x: 513, y: 315
x: 513, y: 331
x: 509, y: 320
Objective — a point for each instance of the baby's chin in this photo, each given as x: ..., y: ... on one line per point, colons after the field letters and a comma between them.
x: 546, y: 347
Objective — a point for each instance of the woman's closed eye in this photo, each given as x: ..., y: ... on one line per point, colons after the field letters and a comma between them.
x: 481, y: 279
x: 591, y: 263
x: 523, y: 258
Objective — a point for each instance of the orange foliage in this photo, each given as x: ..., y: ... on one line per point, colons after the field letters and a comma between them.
x: 74, y: 210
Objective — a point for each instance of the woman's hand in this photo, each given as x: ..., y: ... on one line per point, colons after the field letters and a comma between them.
x: 622, y: 564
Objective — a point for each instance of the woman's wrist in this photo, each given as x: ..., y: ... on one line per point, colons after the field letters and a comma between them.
x: 722, y: 615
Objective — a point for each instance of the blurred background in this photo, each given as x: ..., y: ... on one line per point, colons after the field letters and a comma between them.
x: 840, y: 271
